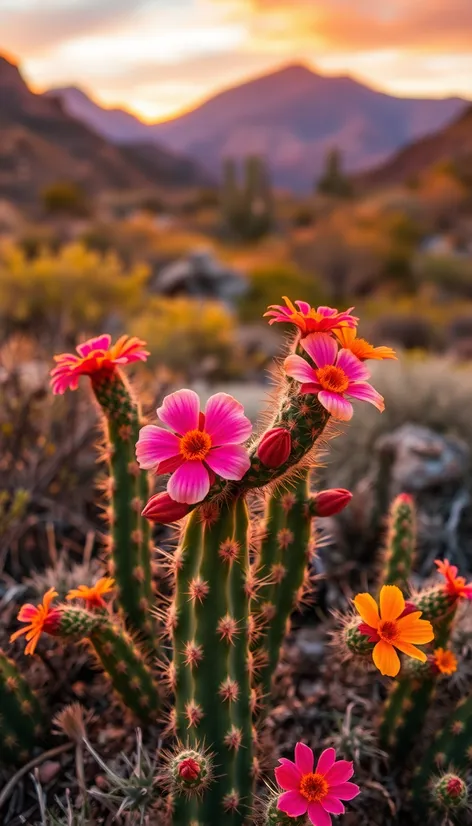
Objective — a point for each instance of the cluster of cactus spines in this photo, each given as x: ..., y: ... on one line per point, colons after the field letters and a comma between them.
x: 400, y: 542
x: 450, y: 793
x: 21, y: 718
x: 189, y: 772
x: 130, y: 540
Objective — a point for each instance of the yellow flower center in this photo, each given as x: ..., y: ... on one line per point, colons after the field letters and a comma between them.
x: 388, y: 631
x: 314, y: 787
x: 195, y: 445
x: 332, y: 378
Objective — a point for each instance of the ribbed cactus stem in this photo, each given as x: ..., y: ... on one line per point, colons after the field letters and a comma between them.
x: 130, y: 543
x: 405, y: 713
x: 240, y: 669
x: 435, y: 603
x: 126, y: 666
x: 400, y: 542
x: 21, y: 718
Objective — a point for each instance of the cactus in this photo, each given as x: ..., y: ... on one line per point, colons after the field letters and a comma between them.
x: 21, y: 718
x: 450, y: 793
x: 401, y: 542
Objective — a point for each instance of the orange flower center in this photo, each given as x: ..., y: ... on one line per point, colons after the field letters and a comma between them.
x: 388, y: 631
x: 314, y: 787
x: 332, y: 378
x: 195, y: 445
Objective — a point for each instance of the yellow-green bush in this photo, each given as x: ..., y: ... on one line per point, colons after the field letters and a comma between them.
x: 269, y: 282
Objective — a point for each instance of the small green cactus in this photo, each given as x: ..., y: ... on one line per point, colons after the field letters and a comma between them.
x: 21, y: 718
x: 400, y: 543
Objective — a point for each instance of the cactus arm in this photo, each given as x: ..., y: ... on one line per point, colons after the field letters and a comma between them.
x: 400, y: 544
x: 21, y: 718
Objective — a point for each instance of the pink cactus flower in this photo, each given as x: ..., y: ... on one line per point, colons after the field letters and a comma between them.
x: 199, y: 446
x: 317, y: 793
x: 335, y: 375
x: 308, y: 320
x: 95, y: 356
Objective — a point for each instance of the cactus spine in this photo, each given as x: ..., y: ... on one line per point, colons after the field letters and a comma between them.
x: 21, y: 718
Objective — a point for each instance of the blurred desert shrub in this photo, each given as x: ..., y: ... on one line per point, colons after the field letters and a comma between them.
x: 65, y: 197
x: 190, y: 337
x: 451, y: 274
x: 56, y: 297
x: 269, y: 282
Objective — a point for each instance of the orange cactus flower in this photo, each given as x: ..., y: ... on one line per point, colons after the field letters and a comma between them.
x: 308, y: 319
x: 39, y: 618
x: 93, y: 596
x: 362, y: 349
x: 94, y: 356
x: 444, y: 661
x: 455, y: 585
x: 395, y: 626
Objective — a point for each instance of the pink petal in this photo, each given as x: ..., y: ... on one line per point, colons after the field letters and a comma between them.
x: 154, y: 445
x: 327, y: 312
x: 318, y: 816
x: 366, y: 393
x: 337, y: 405
x: 292, y: 803
x: 169, y: 465
x: 304, y: 758
x: 333, y: 805
x: 321, y: 347
x: 93, y: 344
x: 230, y: 461
x: 311, y: 389
x: 287, y: 775
x: 327, y: 758
x: 189, y: 484
x: 299, y: 369
x: 340, y: 772
x: 180, y: 411
x: 225, y: 421
x: 345, y: 791
x: 354, y: 369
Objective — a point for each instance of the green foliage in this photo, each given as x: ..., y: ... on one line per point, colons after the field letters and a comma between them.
x: 451, y: 274
x: 65, y: 197
x: 274, y: 279
x: 247, y: 208
x: 333, y: 180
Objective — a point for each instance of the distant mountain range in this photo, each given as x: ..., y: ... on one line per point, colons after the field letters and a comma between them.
x: 41, y: 142
x: 291, y: 116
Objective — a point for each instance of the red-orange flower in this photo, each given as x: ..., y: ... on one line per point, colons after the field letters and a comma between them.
x: 395, y: 626
x: 95, y: 356
x: 39, y: 618
x: 307, y: 319
x: 444, y: 661
x: 93, y: 595
x: 362, y: 349
x: 455, y: 585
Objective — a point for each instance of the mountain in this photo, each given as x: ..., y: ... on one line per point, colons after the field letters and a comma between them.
x: 452, y: 144
x: 292, y: 116
x: 42, y: 143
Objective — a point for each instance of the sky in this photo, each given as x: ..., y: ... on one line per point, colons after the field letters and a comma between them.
x: 159, y: 58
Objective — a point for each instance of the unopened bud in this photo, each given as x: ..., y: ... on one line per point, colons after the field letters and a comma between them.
x: 275, y: 447
x: 330, y: 502
x: 161, y: 508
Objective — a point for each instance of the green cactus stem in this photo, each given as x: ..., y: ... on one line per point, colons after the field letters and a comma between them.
x: 435, y: 603
x: 405, y: 713
x: 400, y: 543
x: 21, y: 718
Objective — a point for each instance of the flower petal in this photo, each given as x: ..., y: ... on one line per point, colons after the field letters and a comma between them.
x: 154, y: 445
x: 189, y: 484
x: 392, y: 602
x: 321, y: 347
x: 326, y: 761
x: 304, y: 758
x: 287, y: 775
x: 413, y: 629
x: 337, y: 405
x: 386, y: 659
x: 318, y: 816
x: 345, y: 791
x: 333, y: 805
x: 180, y: 411
x: 340, y: 772
x: 354, y: 369
x: 367, y: 608
x: 230, y: 461
x: 225, y: 421
x: 99, y: 343
x: 292, y: 803
x: 366, y: 393
x: 411, y: 650
x: 298, y: 368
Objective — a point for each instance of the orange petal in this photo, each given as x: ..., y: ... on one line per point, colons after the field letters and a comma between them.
x: 419, y: 632
x: 346, y: 335
x: 386, y: 659
x: 367, y: 608
x: 392, y: 603
x: 411, y: 651
x: 19, y: 633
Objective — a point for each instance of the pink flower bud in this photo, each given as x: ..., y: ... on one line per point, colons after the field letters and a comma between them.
x: 329, y: 502
x: 455, y: 787
x: 189, y: 769
x: 161, y: 508
x: 275, y: 446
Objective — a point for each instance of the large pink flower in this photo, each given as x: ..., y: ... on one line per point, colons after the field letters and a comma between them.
x: 335, y: 375
x: 201, y: 443
x: 317, y: 793
x: 307, y: 319
x: 94, y: 356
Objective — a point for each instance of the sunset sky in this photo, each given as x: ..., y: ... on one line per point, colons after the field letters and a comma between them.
x: 159, y: 57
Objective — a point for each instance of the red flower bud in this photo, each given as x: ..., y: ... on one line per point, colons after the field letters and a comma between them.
x: 161, y: 508
x: 405, y: 498
x: 455, y: 787
x: 329, y: 502
x: 275, y: 446
x: 189, y: 769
